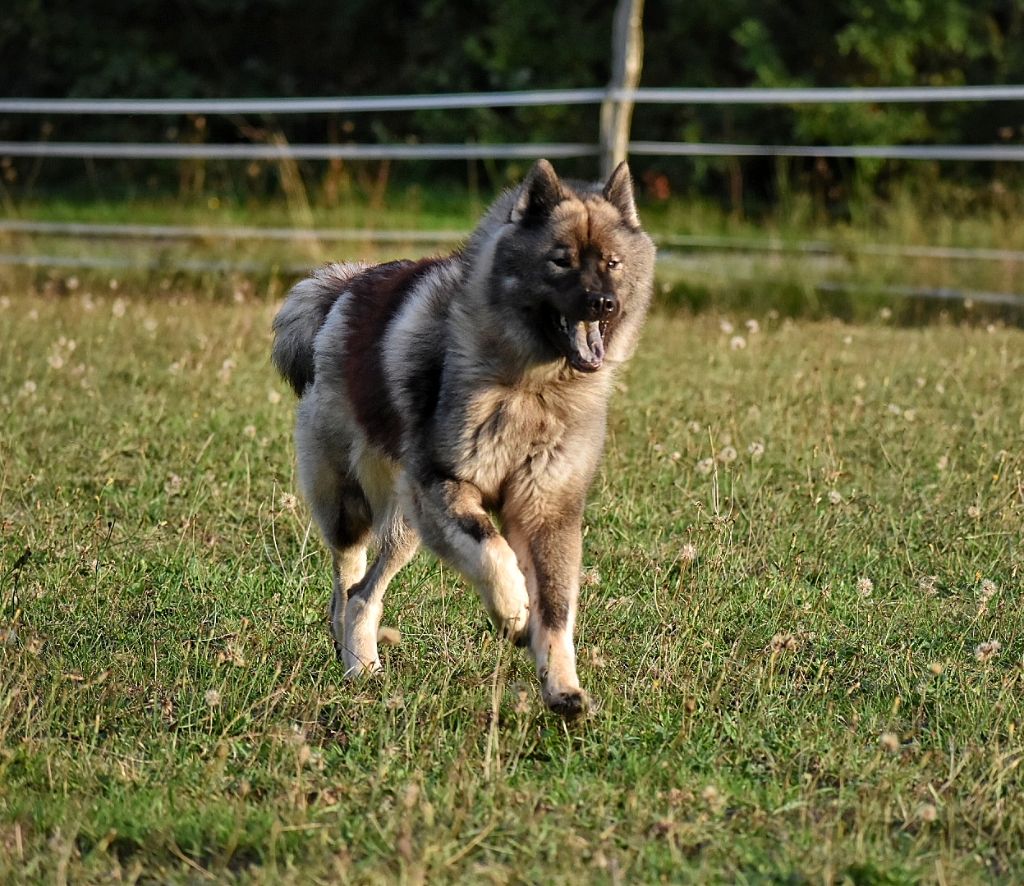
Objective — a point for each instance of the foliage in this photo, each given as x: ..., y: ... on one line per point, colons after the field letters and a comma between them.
x: 231, y: 48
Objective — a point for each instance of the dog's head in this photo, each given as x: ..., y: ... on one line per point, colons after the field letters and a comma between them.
x: 573, y: 266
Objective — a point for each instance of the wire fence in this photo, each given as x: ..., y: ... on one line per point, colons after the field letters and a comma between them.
x: 469, y: 151
x: 534, y: 98
x: 531, y: 98
x: 90, y: 230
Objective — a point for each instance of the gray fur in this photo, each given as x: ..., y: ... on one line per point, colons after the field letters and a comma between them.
x: 500, y: 363
x: 298, y: 322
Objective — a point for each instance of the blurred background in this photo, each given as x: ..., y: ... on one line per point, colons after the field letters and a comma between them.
x: 908, y: 204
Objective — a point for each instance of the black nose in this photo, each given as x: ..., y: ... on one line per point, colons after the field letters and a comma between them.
x: 601, y: 305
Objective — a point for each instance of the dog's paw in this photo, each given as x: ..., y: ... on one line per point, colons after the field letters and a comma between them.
x: 517, y: 628
x: 569, y: 705
x: 357, y: 669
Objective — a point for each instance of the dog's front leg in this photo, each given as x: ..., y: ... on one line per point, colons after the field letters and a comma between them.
x: 550, y: 555
x: 452, y: 521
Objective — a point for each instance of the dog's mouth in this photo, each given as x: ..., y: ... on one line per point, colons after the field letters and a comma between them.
x: 581, y: 342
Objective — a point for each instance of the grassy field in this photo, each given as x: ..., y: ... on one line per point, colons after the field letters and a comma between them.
x: 801, y: 621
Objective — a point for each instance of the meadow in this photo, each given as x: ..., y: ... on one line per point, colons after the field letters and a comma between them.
x: 801, y: 621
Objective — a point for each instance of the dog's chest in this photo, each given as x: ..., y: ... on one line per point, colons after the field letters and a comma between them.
x: 507, y: 433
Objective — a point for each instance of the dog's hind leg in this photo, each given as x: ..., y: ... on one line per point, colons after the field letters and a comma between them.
x: 349, y: 567
x: 344, y: 519
x: 398, y: 544
x: 342, y: 513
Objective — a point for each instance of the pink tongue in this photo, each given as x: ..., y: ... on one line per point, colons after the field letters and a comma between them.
x: 586, y: 341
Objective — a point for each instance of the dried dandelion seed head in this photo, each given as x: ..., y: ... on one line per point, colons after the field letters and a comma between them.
x: 705, y: 466
x: 288, y: 502
x: 737, y: 343
x: 987, y: 589
x: 756, y: 449
x: 713, y: 797
x: 988, y: 650
x: 835, y: 497
x: 590, y: 578
x: 785, y: 643
x: 889, y: 741
x: 865, y: 586
x: 212, y: 698
x: 688, y: 552
x: 727, y: 454
x: 726, y: 327
x: 974, y: 512
x: 927, y: 813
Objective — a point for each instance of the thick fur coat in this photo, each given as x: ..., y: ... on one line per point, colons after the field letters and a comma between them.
x: 438, y: 394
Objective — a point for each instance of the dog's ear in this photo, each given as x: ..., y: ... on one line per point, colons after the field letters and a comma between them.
x: 538, y: 195
x: 619, y: 192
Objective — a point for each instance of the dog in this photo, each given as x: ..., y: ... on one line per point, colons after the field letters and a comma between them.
x: 437, y: 395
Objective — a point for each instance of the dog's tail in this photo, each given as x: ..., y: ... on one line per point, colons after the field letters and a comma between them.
x: 301, y: 316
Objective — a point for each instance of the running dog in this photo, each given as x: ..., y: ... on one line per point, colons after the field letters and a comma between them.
x: 437, y: 395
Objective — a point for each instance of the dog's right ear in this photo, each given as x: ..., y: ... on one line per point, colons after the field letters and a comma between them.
x: 538, y: 195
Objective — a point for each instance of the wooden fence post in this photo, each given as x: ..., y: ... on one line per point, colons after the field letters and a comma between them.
x: 627, y: 58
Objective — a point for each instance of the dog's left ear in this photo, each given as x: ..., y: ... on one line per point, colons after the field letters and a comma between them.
x: 538, y: 195
x: 619, y: 192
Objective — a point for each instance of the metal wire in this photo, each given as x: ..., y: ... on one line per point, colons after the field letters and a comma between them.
x: 453, y: 101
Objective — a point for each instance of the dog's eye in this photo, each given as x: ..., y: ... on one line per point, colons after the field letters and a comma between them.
x: 614, y: 264
x: 561, y: 259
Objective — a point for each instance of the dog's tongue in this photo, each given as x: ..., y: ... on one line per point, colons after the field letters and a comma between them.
x: 586, y: 345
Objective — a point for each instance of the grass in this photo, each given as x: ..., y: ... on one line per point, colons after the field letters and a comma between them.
x: 170, y: 708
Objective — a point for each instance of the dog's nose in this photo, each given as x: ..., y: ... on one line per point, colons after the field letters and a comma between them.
x: 601, y: 305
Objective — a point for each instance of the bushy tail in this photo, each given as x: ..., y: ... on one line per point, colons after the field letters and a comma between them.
x: 300, y: 318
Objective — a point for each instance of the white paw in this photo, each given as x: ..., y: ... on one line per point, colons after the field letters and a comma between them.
x: 357, y: 668
x: 515, y: 626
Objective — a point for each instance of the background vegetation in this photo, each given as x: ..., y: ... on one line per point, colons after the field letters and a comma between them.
x: 233, y: 48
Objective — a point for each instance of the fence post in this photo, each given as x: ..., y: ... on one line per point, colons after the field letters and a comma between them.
x: 627, y: 57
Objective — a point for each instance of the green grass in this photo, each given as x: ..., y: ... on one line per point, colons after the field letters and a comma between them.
x: 170, y: 708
